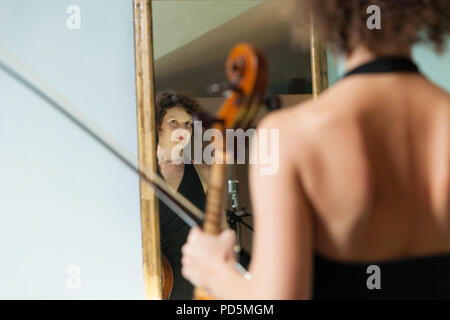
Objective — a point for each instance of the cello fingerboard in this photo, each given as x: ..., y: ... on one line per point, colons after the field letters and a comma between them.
x: 214, y: 205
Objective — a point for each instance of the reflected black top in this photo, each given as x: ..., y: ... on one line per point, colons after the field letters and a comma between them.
x: 409, y: 278
x: 174, y: 230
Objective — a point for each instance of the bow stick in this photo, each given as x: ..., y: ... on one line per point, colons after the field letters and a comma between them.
x: 175, y: 201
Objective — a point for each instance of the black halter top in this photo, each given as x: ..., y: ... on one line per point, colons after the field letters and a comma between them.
x: 426, y: 277
x: 174, y: 231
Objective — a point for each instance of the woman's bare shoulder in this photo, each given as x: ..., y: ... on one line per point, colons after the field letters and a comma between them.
x: 442, y: 96
x: 295, y: 127
x: 299, y: 118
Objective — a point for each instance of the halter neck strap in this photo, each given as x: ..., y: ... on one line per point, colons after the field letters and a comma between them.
x: 385, y: 65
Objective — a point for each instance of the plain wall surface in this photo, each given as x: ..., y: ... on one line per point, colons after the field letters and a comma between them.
x: 435, y: 66
x: 63, y: 199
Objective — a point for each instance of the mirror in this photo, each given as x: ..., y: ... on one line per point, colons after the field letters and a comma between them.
x: 191, y: 42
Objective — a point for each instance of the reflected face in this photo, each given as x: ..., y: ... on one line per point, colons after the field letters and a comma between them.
x: 176, y: 128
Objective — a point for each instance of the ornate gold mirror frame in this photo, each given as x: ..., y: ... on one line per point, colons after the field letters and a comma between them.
x: 147, y: 135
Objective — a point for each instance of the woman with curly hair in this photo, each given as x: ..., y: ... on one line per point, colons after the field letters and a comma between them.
x: 360, y: 207
x: 174, y: 129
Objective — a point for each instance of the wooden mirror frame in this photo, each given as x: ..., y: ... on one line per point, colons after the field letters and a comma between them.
x: 145, y: 96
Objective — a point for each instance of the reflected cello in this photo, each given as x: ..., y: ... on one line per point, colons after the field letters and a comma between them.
x: 247, y: 73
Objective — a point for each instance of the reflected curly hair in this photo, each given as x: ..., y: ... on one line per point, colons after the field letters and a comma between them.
x: 168, y: 100
x: 343, y: 23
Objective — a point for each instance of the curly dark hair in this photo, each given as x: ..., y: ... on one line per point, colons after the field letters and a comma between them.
x: 343, y: 23
x: 168, y: 100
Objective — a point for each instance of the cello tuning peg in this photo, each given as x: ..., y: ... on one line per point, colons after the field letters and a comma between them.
x: 273, y: 103
x: 216, y: 88
x: 223, y: 88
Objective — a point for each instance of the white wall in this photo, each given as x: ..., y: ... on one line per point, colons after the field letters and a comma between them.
x: 63, y: 199
x: 178, y: 22
x: 435, y: 66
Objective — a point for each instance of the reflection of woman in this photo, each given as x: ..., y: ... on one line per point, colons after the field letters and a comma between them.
x: 364, y: 175
x: 174, y: 125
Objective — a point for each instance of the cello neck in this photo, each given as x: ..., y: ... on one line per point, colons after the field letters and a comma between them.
x: 214, y: 202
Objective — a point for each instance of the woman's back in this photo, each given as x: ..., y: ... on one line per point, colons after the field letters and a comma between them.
x: 377, y: 168
x: 363, y: 172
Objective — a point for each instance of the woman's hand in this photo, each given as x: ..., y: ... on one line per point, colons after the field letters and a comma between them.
x: 204, y: 255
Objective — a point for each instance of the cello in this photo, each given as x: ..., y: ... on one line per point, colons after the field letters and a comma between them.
x: 247, y: 73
